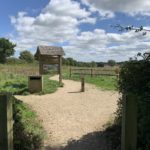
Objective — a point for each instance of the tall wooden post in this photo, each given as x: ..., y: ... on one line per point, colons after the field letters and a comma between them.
x: 6, y: 122
x: 129, y: 123
x: 60, y: 70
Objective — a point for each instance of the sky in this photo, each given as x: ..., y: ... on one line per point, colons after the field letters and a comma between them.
x: 81, y: 27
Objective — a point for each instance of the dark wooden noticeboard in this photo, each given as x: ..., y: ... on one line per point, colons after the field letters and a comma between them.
x: 50, y: 55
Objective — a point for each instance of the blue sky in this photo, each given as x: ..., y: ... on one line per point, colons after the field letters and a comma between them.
x: 81, y: 27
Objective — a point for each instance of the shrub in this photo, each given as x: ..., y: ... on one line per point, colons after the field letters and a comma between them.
x: 135, y: 79
x: 28, y: 133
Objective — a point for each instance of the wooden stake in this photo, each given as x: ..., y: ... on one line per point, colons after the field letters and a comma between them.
x: 82, y: 84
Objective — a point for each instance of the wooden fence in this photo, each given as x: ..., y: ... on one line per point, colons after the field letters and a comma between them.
x: 94, y: 72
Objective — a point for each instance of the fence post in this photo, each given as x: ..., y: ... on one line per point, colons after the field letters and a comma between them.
x: 117, y: 73
x: 91, y: 72
x: 82, y: 84
x: 6, y: 122
x: 70, y: 72
x: 129, y: 123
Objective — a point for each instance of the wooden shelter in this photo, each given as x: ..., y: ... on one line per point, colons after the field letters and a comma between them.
x: 50, y: 55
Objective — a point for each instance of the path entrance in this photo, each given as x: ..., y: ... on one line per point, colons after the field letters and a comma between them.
x: 69, y: 114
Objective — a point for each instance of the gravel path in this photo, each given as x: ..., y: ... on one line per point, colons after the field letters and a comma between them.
x: 69, y: 114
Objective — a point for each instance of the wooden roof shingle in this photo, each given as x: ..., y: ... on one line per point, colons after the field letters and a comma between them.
x: 49, y: 50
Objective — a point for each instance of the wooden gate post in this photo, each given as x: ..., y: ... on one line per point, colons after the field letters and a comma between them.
x: 129, y: 123
x: 82, y: 84
x: 6, y: 122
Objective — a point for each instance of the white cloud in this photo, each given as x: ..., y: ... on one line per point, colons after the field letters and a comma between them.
x: 57, y: 22
x: 101, y: 46
x: 66, y: 8
x: 132, y: 7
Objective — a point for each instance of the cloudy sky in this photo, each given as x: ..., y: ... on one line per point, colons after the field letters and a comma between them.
x: 82, y: 27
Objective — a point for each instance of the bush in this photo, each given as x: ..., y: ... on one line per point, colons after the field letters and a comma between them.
x: 28, y: 133
x: 135, y: 79
x: 26, y: 56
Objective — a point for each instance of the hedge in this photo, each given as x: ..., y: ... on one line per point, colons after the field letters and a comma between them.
x: 135, y: 79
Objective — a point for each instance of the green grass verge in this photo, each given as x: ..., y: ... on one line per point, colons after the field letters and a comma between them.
x: 50, y: 86
x: 18, y: 84
x: 103, y: 82
x: 28, y: 132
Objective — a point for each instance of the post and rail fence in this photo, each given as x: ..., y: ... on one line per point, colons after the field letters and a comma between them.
x: 94, y: 72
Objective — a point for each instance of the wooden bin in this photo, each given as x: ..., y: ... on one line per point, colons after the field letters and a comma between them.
x: 35, y: 84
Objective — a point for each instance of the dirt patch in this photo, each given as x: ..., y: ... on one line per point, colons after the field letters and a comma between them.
x: 69, y: 114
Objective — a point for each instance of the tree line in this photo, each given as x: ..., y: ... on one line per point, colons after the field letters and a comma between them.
x: 7, y: 51
x: 75, y: 63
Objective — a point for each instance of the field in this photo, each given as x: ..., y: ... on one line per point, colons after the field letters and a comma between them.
x: 14, y: 79
x: 105, y: 82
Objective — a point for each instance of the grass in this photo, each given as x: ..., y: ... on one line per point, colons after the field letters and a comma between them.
x: 28, y: 132
x: 50, y: 86
x: 18, y: 84
x: 103, y: 82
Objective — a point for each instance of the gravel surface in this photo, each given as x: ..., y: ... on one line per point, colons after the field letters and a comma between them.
x: 70, y: 115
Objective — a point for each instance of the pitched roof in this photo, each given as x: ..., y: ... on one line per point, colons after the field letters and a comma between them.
x: 49, y: 50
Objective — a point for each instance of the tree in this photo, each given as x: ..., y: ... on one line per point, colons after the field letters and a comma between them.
x: 6, y: 49
x: 93, y: 64
x: 100, y: 64
x: 27, y: 56
x: 111, y: 62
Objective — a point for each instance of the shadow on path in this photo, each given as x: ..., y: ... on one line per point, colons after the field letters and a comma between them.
x: 108, y: 139
x: 91, y: 141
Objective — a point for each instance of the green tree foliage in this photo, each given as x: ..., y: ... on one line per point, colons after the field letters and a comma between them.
x: 93, y: 64
x: 27, y: 56
x: 100, y: 64
x: 72, y: 62
x: 111, y: 62
x: 6, y: 49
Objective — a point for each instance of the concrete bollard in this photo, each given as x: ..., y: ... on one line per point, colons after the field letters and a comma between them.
x: 6, y: 122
